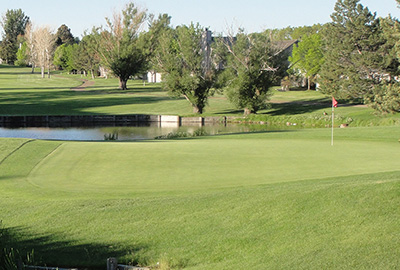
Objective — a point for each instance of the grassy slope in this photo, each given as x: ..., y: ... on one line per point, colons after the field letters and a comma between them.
x: 212, y: 203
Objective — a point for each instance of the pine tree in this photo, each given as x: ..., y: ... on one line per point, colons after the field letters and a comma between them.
x: 353, y: 62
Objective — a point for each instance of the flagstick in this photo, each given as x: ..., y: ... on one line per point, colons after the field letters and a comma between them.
x: 333, y: 120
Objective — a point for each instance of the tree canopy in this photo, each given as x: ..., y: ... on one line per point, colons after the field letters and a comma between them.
x: 184, y: 57
x: 14, y: 23
x: 118, y: 44
x: 250, y: 69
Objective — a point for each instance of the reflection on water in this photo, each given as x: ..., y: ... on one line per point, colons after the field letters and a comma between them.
x: 138, y: 132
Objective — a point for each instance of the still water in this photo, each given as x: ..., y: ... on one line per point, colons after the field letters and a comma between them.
x: 125, y: 133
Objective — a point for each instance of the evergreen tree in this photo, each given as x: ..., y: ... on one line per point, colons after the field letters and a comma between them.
x: 353, y: 60
x: 64, y: 36
x: 14, y: 23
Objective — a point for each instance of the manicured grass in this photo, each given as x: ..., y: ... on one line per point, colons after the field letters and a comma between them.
x: 270, y: 200
x: 23, y: 93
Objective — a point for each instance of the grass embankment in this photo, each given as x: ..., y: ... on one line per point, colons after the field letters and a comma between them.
x: 274, y: 200
x: 23, y: 93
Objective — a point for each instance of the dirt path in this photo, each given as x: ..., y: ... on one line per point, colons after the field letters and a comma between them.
x: 82, y: 87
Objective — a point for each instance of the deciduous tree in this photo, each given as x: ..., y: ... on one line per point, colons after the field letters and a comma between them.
x: 308, y: 57
x: 250, y: 70
x: 118, y: 45
x: 41, y: 44
x: 185, y: 60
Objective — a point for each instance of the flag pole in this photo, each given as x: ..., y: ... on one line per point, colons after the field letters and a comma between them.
x: 333, y: 121
x: 334, y: 104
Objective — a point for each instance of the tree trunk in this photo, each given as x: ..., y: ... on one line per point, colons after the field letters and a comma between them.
x: 197, y: 110
x: 42, y: 71
x: 247, y: 111
x: 92, y: 71
x: 308, y: 82
x: 122, y: 84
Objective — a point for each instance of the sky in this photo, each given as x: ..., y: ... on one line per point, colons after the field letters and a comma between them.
x: 217, y: 15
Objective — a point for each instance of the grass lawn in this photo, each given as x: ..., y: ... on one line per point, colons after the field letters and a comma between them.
x: 268, y: 200
x: 23, y: 93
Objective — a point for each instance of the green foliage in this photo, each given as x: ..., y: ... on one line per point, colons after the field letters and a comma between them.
x: 64, y: 57
x: 22, y: 55
x: 13, y: 23
x: 182, y: 134
x: 64, y: 36
x: 249, y: 72
x: 118, y: 46
x: 385, y: 98
x: 111, y: 136
x: 354, y: 62
x: 308, y: 57
x: 185, y: 60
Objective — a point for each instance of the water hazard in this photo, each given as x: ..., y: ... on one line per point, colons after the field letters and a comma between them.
x: 124, y: 133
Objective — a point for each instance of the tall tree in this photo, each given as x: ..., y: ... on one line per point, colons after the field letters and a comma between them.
x: 85, y: 56
x: 185, y: 61
x: 151, y: 40
x: 118, y: 44
x: 14, y: 23
x: 64, y: 36
x: 308, y: 57
x: 353, y: 62
x: 41, y: 44
x: 250, y: 70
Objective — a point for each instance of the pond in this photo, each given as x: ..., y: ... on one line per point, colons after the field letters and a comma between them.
x: 124, y: 133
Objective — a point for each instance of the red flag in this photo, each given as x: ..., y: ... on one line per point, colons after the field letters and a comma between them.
x: 334, y: 102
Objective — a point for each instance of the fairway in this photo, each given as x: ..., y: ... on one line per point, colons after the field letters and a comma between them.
x: 268, y: 200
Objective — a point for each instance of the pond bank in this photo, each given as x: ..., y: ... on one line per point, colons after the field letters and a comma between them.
x: 90, y: 120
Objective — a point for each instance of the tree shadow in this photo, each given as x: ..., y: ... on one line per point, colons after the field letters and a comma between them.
x: 68, y: 102
x: 298, y: 107
x: 52, y: 250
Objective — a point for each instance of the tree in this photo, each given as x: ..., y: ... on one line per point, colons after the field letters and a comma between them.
x: 308, y: 57
x: 151, y: 40
x: 185, y: 60
x: 353, y: 60
x: 250, y: 70
x: 14, y: 23
x: 64, y: 36
x: 118, y: 45
x: 22, y: 55
x: 41, y: 44
x: 85, y: 57
x: 63, y: 57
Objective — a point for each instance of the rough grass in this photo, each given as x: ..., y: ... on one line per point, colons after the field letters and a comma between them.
x: 273, y: 200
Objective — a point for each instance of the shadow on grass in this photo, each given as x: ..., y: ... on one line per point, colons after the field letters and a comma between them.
x: 67, y: 102
x: 52, y: 250
x: 299, y: 107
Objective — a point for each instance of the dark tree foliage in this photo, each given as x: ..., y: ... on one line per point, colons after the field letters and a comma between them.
x: 354, y: 62
x: 64, y: 36
x: 14, y: 23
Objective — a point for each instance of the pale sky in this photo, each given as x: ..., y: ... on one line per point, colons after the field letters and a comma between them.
x: 217, y: 15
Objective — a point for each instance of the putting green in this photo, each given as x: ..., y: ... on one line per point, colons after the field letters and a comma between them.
x: 121, y: 168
